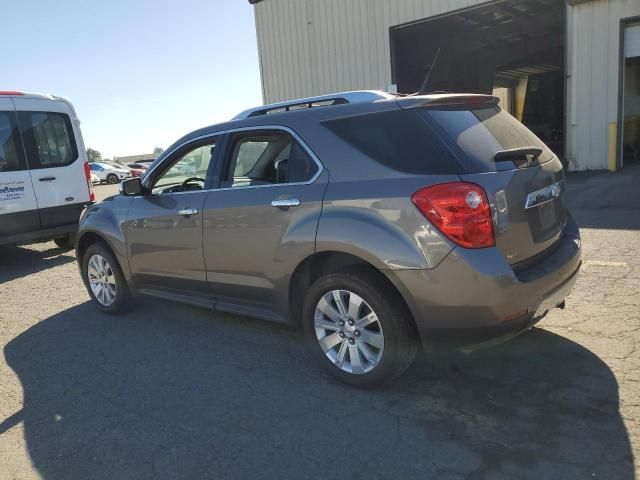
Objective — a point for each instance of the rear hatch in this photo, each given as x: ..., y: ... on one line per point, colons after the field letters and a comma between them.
x: 523, y: 178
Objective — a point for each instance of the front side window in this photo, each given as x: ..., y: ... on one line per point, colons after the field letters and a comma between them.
x: 11, y: 159
x: 267, y: 158
x: 48, y: 138
x: 188, y: 172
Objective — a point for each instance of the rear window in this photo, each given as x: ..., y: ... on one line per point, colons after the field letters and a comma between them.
x: 398, y: 139
x: 11, y: 158
x: 48, y: 138
x: 480, y: 133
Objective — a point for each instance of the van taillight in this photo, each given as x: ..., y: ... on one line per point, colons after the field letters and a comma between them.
x: 460, y: 210
x: 87, y: 174
x: 11, y: 93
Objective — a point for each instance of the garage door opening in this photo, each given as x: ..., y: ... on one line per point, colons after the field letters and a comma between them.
x: 514, y: 50
x: 631, y: 95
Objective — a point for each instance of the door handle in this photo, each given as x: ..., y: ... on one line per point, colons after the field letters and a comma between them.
x: 285, y: 202
x: 187, y: 211
x: 47, y: 179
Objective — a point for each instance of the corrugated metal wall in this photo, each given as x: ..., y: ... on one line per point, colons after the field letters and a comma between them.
x: 313, y: 47
x: 593, y: 68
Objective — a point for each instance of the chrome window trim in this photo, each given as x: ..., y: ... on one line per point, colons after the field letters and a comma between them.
x: 248, y: 129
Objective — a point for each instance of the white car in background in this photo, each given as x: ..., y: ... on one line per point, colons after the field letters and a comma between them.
x: 109, y: 173
x: 95, y: 179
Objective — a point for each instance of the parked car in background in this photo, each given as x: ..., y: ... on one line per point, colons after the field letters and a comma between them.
x: 109, y: 173
x: 378, y: 222
x: 95, y: 180
x: 137, y: 169
x: 44, y: 174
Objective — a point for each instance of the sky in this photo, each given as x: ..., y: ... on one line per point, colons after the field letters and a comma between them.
x: 140, y: 73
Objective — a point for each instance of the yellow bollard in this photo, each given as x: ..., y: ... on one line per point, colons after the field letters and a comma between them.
x: 613, y: 164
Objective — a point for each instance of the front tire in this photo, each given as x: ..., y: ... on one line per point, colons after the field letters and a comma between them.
x: 104, y: 279
x: 112, y: 178
x: 359, y: 330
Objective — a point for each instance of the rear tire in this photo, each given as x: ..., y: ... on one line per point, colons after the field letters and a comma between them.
x: 67, y: 242
x: 104, y: 279
x: 112, y: 178
x: 369, y: 348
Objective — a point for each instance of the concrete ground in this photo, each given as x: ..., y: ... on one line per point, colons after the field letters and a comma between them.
x: 171, y: 391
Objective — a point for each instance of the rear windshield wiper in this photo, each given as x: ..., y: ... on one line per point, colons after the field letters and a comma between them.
x: 516, y: 153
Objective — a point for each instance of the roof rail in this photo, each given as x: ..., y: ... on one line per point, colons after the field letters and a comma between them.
x: 356, y: 96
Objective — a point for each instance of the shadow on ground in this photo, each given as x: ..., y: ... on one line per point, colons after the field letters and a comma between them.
x: 167, y: 391
x: 605, y: 199
x: 18, y: 262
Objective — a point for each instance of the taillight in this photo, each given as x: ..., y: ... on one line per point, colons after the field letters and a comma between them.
x: 460, y: 210
x: 87, y: 174
x: 11, y: 93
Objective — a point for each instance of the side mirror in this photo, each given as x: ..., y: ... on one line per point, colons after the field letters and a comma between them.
x: 131, y: 187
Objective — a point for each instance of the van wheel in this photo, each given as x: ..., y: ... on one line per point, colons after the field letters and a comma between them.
x: 359, y: 331
x: 67, y: 242
x: 112, y: 178
x: 104, y: 280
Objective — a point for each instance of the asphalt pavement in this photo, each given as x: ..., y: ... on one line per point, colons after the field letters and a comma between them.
x: 172, y: 391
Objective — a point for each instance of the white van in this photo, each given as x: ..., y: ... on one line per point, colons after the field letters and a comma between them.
x: 45, y: 181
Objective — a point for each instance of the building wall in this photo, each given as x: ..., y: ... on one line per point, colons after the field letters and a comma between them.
x: 593, y: 43
x: 313, y: 47
x: 302, y: 42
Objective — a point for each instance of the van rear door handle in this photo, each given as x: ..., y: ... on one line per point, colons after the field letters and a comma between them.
x: 47, y: 179
x: 285, y: 202
x: 187, y: 211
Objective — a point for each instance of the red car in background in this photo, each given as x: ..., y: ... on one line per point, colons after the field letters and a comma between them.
x: 137, y: 169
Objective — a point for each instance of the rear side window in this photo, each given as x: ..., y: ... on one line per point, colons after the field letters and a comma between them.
x: 398, y: 139
x: 480, y: 133
x: 267, y: 158
x: 11, y: 157
x: 48, y: 138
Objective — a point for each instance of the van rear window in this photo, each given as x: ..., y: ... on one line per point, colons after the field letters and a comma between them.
x: 48, y: 139
x: 11, y: 158
x: 398, y: 139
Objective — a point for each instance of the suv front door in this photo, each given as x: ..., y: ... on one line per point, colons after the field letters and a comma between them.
x: 262, y: 220
x: 164, y: 226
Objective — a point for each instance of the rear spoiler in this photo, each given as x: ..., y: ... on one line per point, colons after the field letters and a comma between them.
x: 470, y: 100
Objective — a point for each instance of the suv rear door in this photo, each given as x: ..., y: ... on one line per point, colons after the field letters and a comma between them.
x: 56, y: 156
x: 262, y: 220
x: 18, y: 203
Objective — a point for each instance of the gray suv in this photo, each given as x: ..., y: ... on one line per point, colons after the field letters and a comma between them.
x: 378, y: 223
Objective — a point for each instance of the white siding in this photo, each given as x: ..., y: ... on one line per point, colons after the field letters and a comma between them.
x: 313, y: 47
x: 593, y: 68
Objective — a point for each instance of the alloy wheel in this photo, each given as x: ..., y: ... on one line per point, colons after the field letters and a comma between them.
x: 349, y: 332
x: 101, y: 280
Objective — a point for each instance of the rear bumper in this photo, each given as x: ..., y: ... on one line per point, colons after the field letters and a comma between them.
x: 474, y: 296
